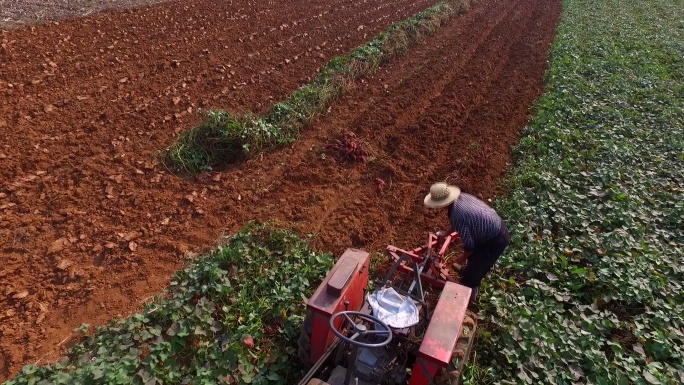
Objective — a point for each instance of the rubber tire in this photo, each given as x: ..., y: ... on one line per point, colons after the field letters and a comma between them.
x: 316, y: 381
x: 451, y: 375
x: 304, y: 341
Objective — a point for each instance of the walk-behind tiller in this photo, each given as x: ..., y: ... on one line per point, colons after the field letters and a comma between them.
x: 393, y: 335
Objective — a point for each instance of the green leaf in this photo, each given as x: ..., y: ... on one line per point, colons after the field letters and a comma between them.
x: 650, y: 377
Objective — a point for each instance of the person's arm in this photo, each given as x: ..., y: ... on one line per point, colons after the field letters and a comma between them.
x: 459, y: 225
x: 468, y: 244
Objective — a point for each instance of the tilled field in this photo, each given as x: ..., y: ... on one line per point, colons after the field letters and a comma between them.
x: 91, y: 225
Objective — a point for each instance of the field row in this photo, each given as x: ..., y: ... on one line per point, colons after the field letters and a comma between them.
x: 592, y: 290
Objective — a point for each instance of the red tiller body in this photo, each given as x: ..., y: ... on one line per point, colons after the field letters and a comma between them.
x: 347, y: 281
x: 351, y: 358
x: 442, y: 334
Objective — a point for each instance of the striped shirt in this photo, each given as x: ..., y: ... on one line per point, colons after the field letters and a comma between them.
x: 474, y: 221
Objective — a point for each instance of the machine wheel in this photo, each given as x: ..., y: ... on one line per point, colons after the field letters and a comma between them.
x: 451, y: 375
x: 304, y: 341
x: 316, y: 381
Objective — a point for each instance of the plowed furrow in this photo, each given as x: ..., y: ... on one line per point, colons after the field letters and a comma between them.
x: 422, y: 85
x: 470, y: 109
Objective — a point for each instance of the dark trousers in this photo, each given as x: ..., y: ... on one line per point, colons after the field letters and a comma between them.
x: 483, y: 259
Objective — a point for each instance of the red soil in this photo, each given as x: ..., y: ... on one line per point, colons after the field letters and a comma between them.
x: 91, y: 225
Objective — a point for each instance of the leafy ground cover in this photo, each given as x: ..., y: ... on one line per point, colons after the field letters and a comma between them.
x: 223, y: 137
x: 231, y: 316
x: 591, y: 290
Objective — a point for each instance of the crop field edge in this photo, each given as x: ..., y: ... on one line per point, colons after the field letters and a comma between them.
x: 231, y: 314
x: 591, y: 290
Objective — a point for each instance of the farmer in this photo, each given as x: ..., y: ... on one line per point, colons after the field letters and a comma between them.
x: 483, y: 233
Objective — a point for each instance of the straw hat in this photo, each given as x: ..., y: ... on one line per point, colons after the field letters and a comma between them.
x: 441, y: 195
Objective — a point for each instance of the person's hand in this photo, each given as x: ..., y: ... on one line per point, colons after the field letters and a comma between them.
x: 461, y: 259
x: 441, y: 235
x: 459, y: 263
